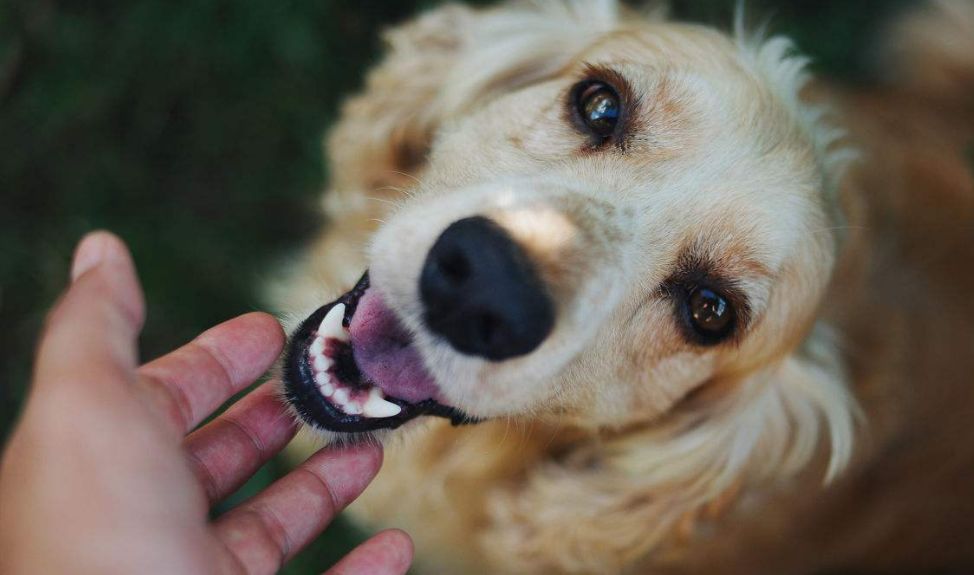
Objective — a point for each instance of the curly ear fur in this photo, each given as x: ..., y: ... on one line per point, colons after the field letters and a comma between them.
x: 439, y: 65
x: 929, y: 53
x: 647, y: 491
x: 385, y: 131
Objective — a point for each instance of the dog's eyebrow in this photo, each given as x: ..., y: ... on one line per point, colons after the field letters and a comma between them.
x: 612, y: 77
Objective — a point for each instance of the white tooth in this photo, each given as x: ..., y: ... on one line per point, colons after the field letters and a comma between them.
x: 332, y: 326
x: 352, y: 408
x: 341, y: 397
x: 377, y: 406
x: 322, y: 364
x: 318, y: 347
x: 324, y: 384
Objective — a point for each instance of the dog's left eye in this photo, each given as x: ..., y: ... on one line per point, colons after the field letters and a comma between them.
x: 598, y: 106
x: 710, y: 315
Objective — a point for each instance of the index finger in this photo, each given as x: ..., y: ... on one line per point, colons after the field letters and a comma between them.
x: 188, y: 384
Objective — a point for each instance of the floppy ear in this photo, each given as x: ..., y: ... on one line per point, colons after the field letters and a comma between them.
x: 641, y: 493
x: 441, y: 64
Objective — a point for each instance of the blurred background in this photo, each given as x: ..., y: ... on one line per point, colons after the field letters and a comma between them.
x: 193, y: 130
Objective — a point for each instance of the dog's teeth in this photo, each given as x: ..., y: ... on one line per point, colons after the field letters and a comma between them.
x: 322, y: 363
x: 332, y: 326
x: 317, y: 346
x: 324, y: 384
x: 352, y: 408
x: 377, y: 406
x: 340, y: 397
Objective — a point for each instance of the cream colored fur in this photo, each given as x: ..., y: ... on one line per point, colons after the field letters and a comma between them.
x: 617, y: 443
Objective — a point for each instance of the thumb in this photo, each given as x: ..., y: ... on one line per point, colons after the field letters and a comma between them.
x: 92, y: 332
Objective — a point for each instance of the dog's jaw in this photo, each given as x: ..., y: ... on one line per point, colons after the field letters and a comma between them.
x: 353, y: 372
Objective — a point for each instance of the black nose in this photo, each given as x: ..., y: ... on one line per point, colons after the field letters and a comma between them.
x: 482, y: 294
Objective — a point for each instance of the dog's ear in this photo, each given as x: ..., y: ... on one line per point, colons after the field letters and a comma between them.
x: 791, y: 418
x: 441, y: 64
x: 769, y: 424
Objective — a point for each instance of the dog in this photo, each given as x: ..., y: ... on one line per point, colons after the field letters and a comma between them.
x: 643, y: 296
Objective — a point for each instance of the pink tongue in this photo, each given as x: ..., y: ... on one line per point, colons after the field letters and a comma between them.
x: 383, y: 352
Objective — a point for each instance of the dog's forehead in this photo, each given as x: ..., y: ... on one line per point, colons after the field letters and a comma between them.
x: 689, y: 80
x: 712, y: 153
x: 713, y: 150
x: 648, y: 41
x: 646, y: 54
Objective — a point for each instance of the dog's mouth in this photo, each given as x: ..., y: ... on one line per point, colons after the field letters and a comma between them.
x: 351, y: 367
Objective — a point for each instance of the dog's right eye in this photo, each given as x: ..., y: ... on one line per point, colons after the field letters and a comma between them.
x: 598, y: 107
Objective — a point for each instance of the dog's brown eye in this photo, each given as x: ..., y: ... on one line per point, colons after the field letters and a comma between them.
x: 710, y: 315
x: 599, y: 107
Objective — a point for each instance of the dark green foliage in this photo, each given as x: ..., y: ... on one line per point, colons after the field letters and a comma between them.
x: 193, y: 130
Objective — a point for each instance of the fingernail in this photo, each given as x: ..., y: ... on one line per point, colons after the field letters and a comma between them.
x: 90, y: 252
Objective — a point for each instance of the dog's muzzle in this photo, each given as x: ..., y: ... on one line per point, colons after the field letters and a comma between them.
x: 353, y: 367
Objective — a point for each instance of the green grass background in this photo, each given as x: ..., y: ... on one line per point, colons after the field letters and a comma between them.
x: 193, y: 130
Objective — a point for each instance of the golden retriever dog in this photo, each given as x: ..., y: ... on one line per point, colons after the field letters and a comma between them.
x: 643, y: 297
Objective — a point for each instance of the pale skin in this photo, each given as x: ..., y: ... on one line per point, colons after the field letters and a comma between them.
x: 107, y: 472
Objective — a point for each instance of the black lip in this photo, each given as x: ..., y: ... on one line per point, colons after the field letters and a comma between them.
x: 314, y: 409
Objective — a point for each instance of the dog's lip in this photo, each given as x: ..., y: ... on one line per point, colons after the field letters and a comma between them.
x: 303, y: 393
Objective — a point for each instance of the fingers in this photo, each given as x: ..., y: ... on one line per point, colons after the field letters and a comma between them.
x: 227, y: 451
x: 388, y: 553
x: 272, y: 527
x: 189, y: 383
x: 91, y: 334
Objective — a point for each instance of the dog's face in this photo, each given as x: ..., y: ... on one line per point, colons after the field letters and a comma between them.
x: 590, y: 246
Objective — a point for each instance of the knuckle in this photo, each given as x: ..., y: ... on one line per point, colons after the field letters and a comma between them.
x: 252, y: 541
x: 322, y: 490
x: 170, y: 402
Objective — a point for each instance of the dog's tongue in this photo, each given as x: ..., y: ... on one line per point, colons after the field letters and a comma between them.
x: 384, y: 353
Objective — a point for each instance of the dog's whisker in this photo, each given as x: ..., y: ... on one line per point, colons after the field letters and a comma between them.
x: 554, y: 433
x: 839, y: 229
x: 408, y: 175
x: 393, y: 203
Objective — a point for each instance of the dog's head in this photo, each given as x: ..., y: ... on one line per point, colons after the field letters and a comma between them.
x: 614, y: 212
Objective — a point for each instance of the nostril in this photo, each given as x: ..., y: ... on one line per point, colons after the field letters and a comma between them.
x: 454, y: 266
x: 487, y: 325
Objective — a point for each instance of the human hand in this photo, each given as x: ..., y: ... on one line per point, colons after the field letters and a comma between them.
x: 100, y: 476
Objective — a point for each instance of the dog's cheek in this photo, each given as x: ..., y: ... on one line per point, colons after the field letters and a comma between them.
x: 638, y: 369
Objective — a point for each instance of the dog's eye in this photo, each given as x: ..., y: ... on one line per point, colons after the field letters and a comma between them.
x: 710, y: 315
x: 598, y: 106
